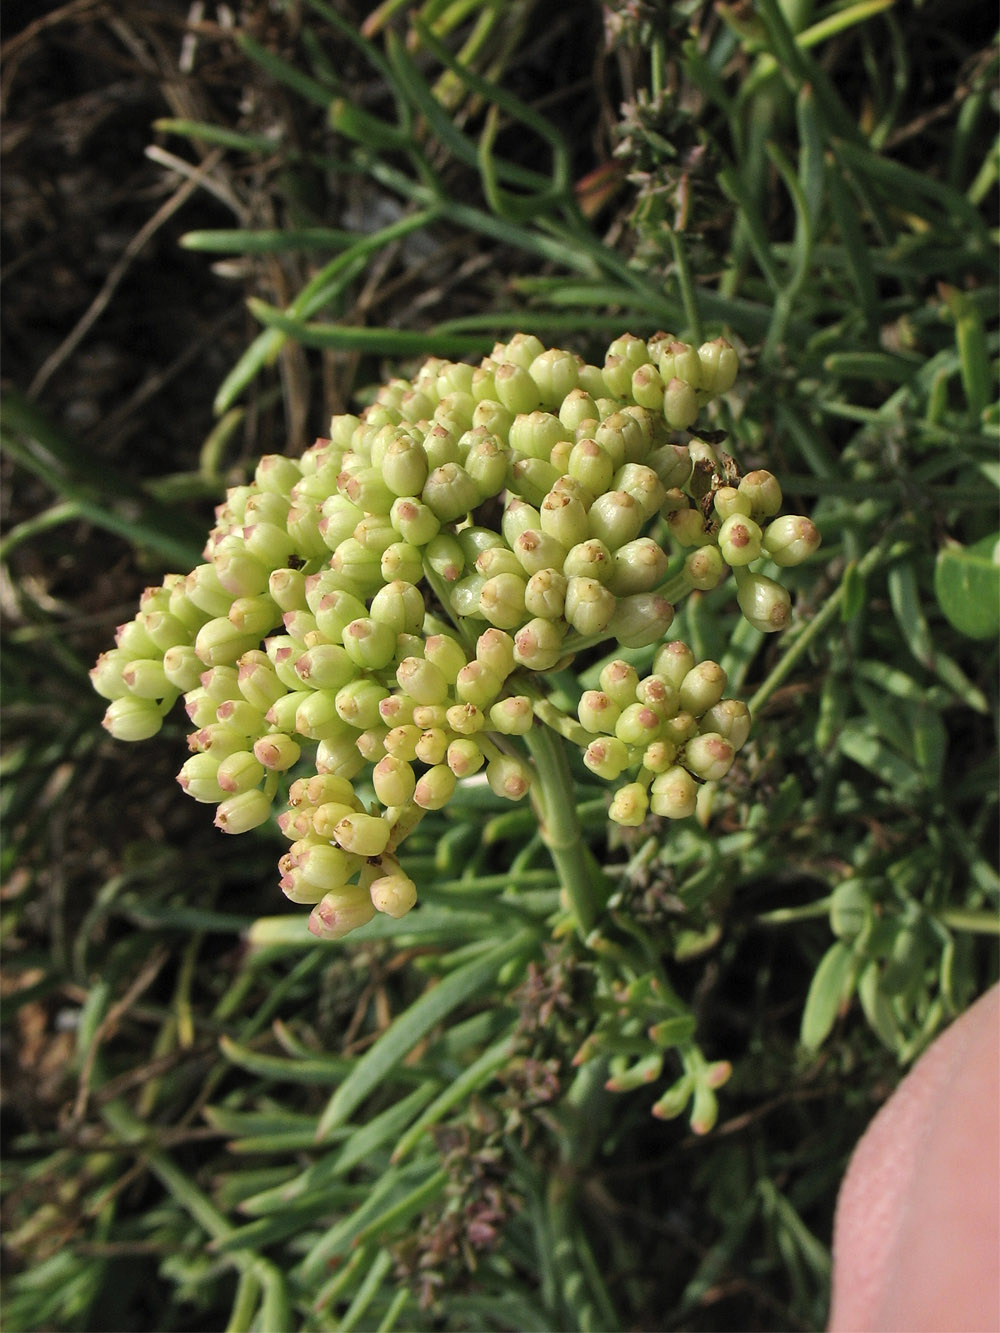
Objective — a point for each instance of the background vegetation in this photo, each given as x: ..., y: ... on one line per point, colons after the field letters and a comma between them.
x: 224, y: 224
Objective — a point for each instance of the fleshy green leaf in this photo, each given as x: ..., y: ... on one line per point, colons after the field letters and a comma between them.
x: 967, y: 586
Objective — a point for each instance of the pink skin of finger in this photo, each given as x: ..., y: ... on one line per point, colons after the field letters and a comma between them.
x: 916, y: 1245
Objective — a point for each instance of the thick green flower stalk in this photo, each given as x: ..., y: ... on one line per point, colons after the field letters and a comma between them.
x: 387, y: 606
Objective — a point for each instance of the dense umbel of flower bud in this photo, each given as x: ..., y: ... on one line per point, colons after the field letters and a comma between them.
x: 385, y: 607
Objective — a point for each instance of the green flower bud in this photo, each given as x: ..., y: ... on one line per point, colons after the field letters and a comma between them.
x: 370, y: 644
x: 577, y: 407
x: 728, y: 500
x: 454, y: 377
x: 477, y: 684
x: 679, y: 360
x: 400, y: 606
x: 486, y: 463
x: 607, y: 757
x: 316, y: 716
x: 359, y: 569
x: 239, y: 814
x: 446, y: 653
x: 679, y: 728
x: 496, y: 560
x: 464, y: 596
x: 255, y: 616
x: 277, y: 751
x: 375, y: 533
x: 555, y: 373
x: 533, y: 478
x: 522, y: 349
x: 672, y: 464
x: 518, y: 517
x: 393, y: 780
x: 659, y: 756
x: 688, y: 527
x: 591, y: 465
x: 220, y: 643
x: 277, y: 474
x: 106, y: 674
x: 401, y: 741
x: 591, y: 380
x: 362, y: 835
x: 545, y: 594
x: 365, y: 487
x: 492, y: 417
x: 644, y: 486
x: 615, y: 518
x: 422, y: 680
x: 761, y: 488
x: 338, y: 913
x: 512, y: 716
x: 133, y: 639
x: 303, y: 524
x: 619, y: 680
x: 704, y: 568
x: 397, y: 709
x: 199, y: 778
x: 538, y: 645
x: 508, y: 777
x: 739, y: 540
x: 617, y: 375
x: 638, y: 566
x: 590, y: 607
x: 702, y: 687
x: 535, y: 434
x: 791, y: 539
x: 501, y: 600
x: 629, y: 805
x: 415, y: 521
x: 132, y: 719
x: 357, y: 704
x: 623, y: 436
x: 165, y: 630
x: 239, y: 771
x: 292, y: 884
x: 445, y: 557
x: 589, y: 559
x: 435, y: 789
x: 241, y: 716
x: 515, y: 388
x: 535, y: 550
x: 338, y: 756
x: 647, y: 388
x: 719, y: 366
x: 464, y: 757
x: 393, y: 894
x: 730, y: 718
x: 658, y: 694
x: 325, y: 818
x: 764, y: 603
x: 432, y: 746
x: 323, y: 787
x: 673, y: 661
x: 673, y: 794
x: 708, y: 756
x: 456, y: 411
x: 638, y: 725
x: 450, y: 492
x: 270, y: 544
x: 146, y: 679
x: 680, y: 405
x: 203, y: 590
x: 287, y: 589
x: 239, y: 572
x: 466, y: 719
x: 495, y: 650
x: 598, y: 712
x: 640, y: 620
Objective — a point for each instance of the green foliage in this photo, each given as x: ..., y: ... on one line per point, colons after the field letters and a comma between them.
x: 266, y: 1133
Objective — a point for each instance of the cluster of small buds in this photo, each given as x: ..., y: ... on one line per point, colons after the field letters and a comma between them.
x: 373, y: 611
x: 671, y: 729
